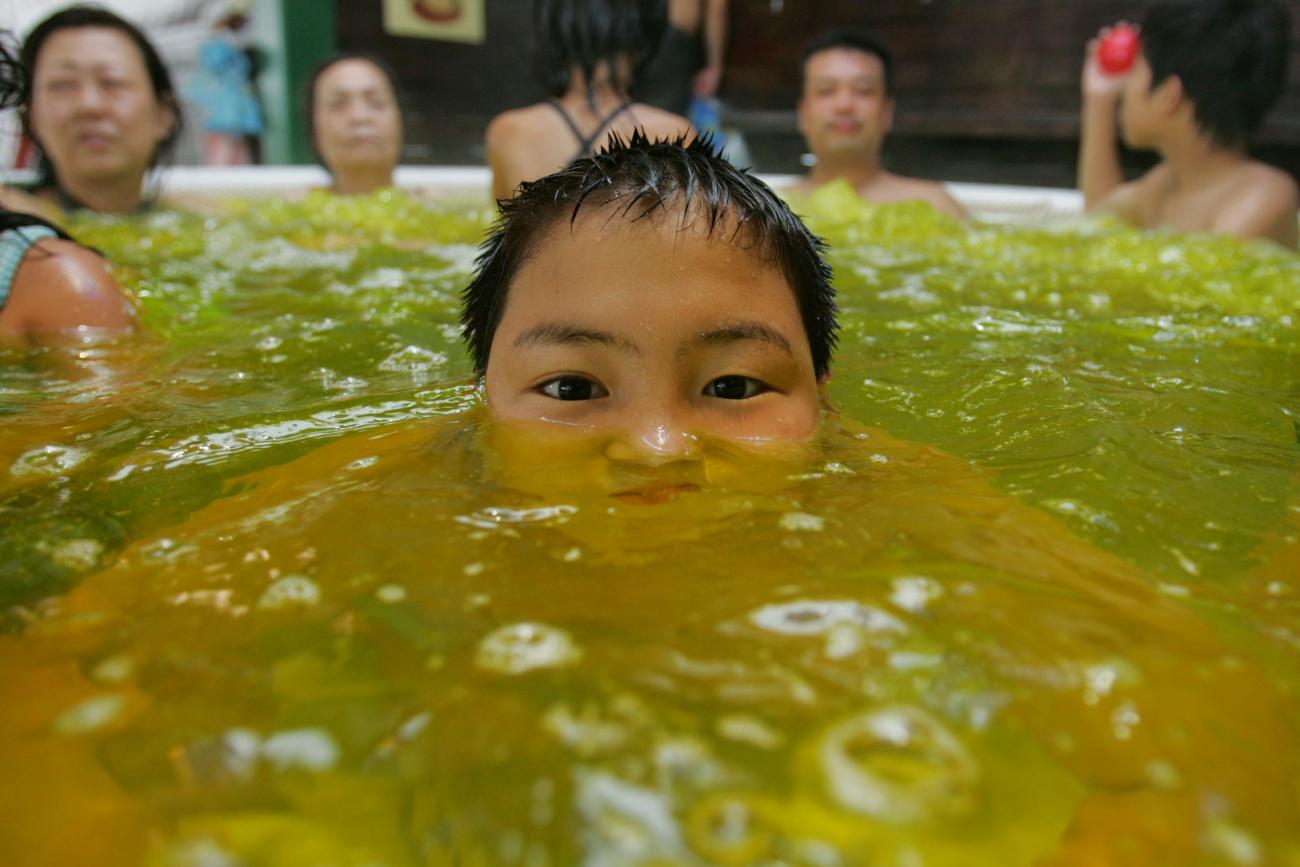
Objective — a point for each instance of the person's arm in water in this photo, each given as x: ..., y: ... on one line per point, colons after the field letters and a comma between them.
x: 709, y: 78
x: 61, y: 286
x: 1101, y: 177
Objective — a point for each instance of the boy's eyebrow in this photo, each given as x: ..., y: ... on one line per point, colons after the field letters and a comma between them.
x: 565, y: 334
x: 735, y: 332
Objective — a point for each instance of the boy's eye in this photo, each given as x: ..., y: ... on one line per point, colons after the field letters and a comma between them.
x: 573, y: 388
x: 735, y: 388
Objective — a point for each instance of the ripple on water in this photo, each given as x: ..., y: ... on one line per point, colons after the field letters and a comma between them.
x: 898, y: 764
x: 818, y: 616
x: 47, y: 460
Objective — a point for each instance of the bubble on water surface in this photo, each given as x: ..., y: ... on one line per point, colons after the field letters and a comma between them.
x: 1101, y: 679
x: 1233, y: 844
x: 47, y: 460
x: 584, y: 730
x: 391, y: 593
x: 747, y: 729
x: 76, y: 555
x: 794, y: 522
x: 725, y: 829
x: 89, y: 715
x: 114, y: 669
x: 289, y: 591
x: 240, y: 749
x: 898, y: 764
x: 524, y: 647
x: 914, y: 592
x: 203, y: 852
x: 415, y: 360
x: 818, y: 616
x: 625, y: 823
x: 310, y: 749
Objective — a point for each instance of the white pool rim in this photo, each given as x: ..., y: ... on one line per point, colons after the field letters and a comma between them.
x: 986, y: 201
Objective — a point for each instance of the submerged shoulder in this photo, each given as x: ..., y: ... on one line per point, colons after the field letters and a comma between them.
x: 62, y: 286
x: 937, y: 194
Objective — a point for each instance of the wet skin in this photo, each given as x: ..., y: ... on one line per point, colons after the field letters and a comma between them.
x: 649, y: 355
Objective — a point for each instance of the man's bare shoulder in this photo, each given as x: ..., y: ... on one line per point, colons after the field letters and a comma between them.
x: 937, y: 194
x: 1262, y: 204
x: 898, y: 188
x: 1270, y: 185
x: 1136, y: 201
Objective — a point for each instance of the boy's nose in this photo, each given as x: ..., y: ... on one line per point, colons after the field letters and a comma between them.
x: 654, y: 439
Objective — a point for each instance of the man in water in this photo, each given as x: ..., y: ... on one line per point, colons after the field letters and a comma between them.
x: 1207, y: 75
x: 845, y: 111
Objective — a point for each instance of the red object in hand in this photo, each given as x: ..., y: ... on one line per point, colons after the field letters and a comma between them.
x: 1119, y: 49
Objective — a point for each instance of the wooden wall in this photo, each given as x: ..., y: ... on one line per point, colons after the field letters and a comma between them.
x: 987, y: 89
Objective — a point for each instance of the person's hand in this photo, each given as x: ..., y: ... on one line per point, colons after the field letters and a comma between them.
x: 707, y: 81
x: 1095, y: 82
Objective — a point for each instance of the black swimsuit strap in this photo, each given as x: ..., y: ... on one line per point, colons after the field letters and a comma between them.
x: 586, y: 141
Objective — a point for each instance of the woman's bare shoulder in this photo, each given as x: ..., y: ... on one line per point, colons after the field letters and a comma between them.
x: 14, y: 199
x: 661, y: 124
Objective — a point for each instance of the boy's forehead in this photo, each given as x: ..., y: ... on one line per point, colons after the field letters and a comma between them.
x: 676, y: 218
x: 611, y: 243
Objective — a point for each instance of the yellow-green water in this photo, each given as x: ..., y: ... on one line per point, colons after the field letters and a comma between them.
x: 277, y: 593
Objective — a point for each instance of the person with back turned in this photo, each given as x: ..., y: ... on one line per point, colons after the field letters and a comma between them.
x: 1206, y: 76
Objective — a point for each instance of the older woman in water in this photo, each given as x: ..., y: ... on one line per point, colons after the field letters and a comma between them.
x: 48, y: 282
x: 355, y: 123
x: 101, y: 108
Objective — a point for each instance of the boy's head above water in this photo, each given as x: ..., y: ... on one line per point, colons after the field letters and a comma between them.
x: 658, y: 297
x: 1229, y: 58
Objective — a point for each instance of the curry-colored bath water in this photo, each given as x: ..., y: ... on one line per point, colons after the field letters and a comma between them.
x: 277, y: 593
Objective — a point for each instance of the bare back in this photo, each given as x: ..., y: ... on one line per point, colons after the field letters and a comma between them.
x: 528, y: 143
x: 1249, y: 200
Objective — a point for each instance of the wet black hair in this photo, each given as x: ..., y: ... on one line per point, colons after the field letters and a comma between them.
x: 854, y: 40
x: 639, y: 179
x: 308, y: 97
x: 1230, y: 55
x: 586, y: 33
x: 91, y: 16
